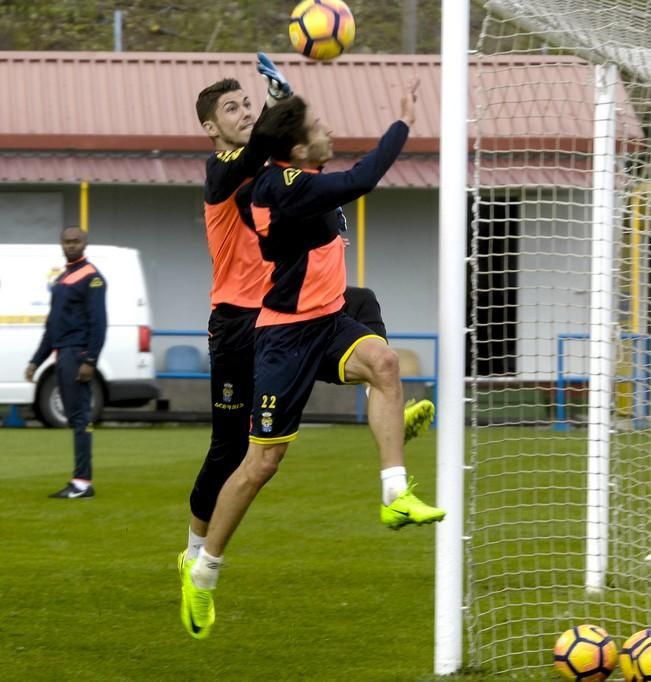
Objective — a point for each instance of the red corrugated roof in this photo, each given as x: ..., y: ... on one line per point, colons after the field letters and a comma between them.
x: 418, y: 171
x: 141, y: 102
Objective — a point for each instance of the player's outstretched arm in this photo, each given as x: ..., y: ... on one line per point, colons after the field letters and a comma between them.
x: 326, y: 191
x: 225, y: 172
x: 362, y: 178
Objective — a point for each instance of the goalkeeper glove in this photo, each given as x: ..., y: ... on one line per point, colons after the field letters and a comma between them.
x: 277, y: 86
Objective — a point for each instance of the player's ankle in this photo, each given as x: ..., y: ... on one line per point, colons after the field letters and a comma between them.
x: 205, y: 571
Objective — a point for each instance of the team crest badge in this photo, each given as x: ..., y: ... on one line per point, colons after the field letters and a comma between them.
x: 267, y: 422
x: 290, y: 174
x: 227, y: 392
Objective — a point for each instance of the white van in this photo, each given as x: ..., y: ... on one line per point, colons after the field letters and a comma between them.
x: 125, y: 375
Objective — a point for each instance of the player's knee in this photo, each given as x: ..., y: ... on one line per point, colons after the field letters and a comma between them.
x: 386, y: 365
x: 263, y: 467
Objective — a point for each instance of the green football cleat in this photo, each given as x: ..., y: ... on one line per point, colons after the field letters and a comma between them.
x: 407, y: 508
x: 418, y: 416
x: 180, y: 562
x: 197, y: 607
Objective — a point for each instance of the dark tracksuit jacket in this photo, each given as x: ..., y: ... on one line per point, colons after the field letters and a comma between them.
x: 77, y: 315
x: 295, y: 214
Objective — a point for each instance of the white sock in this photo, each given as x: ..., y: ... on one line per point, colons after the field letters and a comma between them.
x: 81, y: 483
x: 206, y: 570
x: 368, y: 391
x: 195, y: 543
x: 394, y: 482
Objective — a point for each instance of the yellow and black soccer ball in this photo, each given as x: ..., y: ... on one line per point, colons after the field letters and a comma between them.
x: 321, y: 29
x: 585, y: 653
x: 629, y: 652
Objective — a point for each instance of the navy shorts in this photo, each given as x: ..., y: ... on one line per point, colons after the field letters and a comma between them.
x: 362, y: 305
x: 289, y: 358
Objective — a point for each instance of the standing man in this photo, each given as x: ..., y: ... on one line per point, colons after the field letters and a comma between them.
x: 302, y: 334
x: 75, y: 329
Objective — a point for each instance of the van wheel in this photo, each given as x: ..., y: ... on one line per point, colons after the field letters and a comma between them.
x: 49, y: 406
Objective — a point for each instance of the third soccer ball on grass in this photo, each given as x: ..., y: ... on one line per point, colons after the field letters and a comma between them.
x: 585, y: 653
x: 643, y: 661
x: 629, y: 652
x: 321, y: 29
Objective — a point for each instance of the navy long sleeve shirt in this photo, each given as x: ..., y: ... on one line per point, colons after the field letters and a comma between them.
x: 296, y: 214
x: 77, y: 313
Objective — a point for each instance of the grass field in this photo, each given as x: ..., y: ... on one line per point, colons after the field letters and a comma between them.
x: 315, y: 589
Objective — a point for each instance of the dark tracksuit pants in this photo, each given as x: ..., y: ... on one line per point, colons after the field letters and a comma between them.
x: 76, y: 405
x: 232, y: 333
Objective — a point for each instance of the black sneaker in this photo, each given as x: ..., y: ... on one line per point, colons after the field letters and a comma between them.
x: 72, y: 492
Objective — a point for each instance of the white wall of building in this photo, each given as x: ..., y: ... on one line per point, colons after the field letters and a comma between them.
x: 166, y: 225
x: 401, y: 258
x: 30, y: 217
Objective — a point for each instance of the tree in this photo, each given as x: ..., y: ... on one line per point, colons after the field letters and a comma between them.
x: 194, y: 26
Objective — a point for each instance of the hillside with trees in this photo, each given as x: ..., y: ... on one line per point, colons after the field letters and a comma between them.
x: 383, y: 26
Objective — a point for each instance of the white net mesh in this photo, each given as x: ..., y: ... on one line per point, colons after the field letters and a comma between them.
x: 533, y: 83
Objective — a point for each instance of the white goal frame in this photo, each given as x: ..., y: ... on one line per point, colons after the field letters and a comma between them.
x: 448, y: 648
x: 451, y: 463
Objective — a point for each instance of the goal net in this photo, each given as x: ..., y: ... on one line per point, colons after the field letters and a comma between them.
x: 559, y: 528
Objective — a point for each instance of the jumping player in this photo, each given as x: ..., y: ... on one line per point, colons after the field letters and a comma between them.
x: 303, y: 308
x: 239, y: 272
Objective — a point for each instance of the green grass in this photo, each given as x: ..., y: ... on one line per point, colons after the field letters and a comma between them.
x: 314, y: 589
x: 528, y: 561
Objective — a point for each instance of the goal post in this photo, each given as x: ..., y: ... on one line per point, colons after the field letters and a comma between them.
x: 601, y: 339
x: 452, y: 297
x: 556, y: 528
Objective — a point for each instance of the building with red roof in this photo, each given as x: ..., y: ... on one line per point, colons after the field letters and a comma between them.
x: 125, y: 124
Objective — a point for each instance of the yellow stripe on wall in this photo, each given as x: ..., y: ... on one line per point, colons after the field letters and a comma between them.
x: 22, y: 319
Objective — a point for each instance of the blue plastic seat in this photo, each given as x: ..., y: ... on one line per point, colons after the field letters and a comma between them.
x: 182, y: 359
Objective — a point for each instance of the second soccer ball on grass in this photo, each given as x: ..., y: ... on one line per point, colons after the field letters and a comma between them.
x: 585, y: 653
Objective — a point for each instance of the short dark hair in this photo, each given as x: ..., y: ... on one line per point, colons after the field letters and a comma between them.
x: 84, y: 234
x: 282, y: 127
x: 208, y: 97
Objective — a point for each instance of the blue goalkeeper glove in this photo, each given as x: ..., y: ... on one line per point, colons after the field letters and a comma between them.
x: 277, y: 85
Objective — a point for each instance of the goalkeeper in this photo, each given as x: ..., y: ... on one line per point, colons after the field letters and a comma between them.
x: 238, y: 277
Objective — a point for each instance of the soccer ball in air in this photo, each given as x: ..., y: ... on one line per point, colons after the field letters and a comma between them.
x: 643, y: 661
x: 629, y: 652
x: 585, y: 653
x: 321, y: 29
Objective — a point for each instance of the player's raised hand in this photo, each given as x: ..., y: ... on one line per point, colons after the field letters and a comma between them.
x: 408, y: 101
x: 277, y: 85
